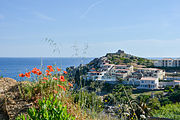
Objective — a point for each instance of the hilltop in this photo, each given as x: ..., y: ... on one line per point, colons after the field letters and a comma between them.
x: 120, y: 57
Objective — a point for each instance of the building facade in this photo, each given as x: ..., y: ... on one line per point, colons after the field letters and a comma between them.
x: 148, y: 83
x: 167, y: 62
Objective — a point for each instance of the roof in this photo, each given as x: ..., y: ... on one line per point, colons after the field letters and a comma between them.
x: 94, y: 72
x: 123, y: 69
x: 121, y: 65
x: 148, y: 78
x: 176, y: 81
x: 108, y: 64
x: 148, y: 69
x: 167, y: 59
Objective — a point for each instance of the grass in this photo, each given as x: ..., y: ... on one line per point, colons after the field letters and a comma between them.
x: 136, y: 93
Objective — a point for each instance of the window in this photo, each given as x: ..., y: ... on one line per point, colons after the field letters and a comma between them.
x: 142, y: 81
x: 152, y: 82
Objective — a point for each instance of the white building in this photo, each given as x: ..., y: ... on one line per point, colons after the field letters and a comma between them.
x: 148, y: 83
x: 173, y: 83
x: 127, y: 67
x: 152, y: 72
x: 95, y: 75
x: 167, y: 62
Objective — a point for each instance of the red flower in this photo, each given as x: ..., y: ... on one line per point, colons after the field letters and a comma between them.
x: 34, y: 71
x: 39, y: 73
x: 27, y: 75
x: 47, y: 71
x: 65, y: 72
x: 21, y: 75
x: 48, y: 74
x: 51, y: 69
x: 70, y: 84
x: 54, y: 78
x: 62, y: 87
x: 58, y: 69
x: 45, y: 78
x: 49, y: 66
x: 61, y: 77
x: 43, y: 82
x: 62, y: 80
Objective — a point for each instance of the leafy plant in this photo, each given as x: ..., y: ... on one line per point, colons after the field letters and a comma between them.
x: 48, y: 109
x: 171, y: 111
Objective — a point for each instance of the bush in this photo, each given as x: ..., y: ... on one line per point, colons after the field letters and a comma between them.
x: 171, y: 111
x: 88, y: 101
x: 48, y: 109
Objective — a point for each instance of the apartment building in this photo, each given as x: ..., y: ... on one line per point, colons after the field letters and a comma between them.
x: 167, y: 62
x: 148, y: 83
x: 151, y: 72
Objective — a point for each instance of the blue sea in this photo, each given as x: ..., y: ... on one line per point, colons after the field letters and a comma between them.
x: 11, y: 67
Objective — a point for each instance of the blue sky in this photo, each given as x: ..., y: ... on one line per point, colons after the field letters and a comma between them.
x: 140, y: 27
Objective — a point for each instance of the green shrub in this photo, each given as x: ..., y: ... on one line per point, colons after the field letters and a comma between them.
x: 48, y: 109
x: 88, y: 101
x: 171, y: 111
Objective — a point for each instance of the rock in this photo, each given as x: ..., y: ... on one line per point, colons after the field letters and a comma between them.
x: 11, y: 104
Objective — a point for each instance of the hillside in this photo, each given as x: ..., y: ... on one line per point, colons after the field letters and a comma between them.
x: 120, y: 57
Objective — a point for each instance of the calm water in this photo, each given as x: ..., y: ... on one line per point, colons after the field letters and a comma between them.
x: 11, y: 67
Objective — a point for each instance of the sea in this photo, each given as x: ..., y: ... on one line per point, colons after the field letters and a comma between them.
x: 12, y: 67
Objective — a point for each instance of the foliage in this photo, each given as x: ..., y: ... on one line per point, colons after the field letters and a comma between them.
x: 171, y: 111
x: 48, y: 109
x: 154, y: 103
x: 175, y: 96
x: 88, y: 101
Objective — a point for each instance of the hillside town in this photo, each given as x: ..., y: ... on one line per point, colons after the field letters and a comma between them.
x: 141, y: 77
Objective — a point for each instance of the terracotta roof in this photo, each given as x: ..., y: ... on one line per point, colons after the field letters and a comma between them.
x: 108, y: 64
x: 123, y: 69
x: 94, y: 72
x: 148, y: 78
x: 167, y: 59
x: 148, y: 69
x: 176, y: 81
x: 121, y: 65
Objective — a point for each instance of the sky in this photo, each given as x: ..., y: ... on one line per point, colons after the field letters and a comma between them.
x: 89, y: 28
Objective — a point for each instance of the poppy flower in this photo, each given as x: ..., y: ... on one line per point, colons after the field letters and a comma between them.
x: 48, y: 74
x: 62, y: 87
x: 29, y: 72
x: 49, y: 66
x: 61, y: 77
x: 39, y: 73
x: 45, y: 78
x: 21, y: 75
x: 58, y: 69
x: 43, y: 82
x: 62, y: 80
x: 27, y: 75
x: 51, y: 69
x: 47, y: 71
x: 65, y: 72
x: 34, y: 71
x: 70, y: 84
x: 54, y: 78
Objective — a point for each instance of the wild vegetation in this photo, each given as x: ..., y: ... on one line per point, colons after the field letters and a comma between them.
x: 128, y: 59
